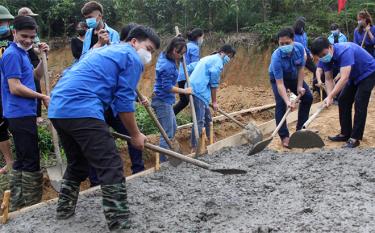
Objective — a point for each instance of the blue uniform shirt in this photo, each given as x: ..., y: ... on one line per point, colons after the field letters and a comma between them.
x: 192, y: 55
x: 205, y: 76
x: 113, y: 37
x: 285, y: 66
x: 351, y: 54
x: 16, y: 64
x: 358, y: 37
x: 166, y: 78
x: 342, y: 38
x: 107, y: 76
x: 302, y: 39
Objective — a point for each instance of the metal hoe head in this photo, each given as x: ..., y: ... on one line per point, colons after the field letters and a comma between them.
x: 227, y: 171
x: 175, y: 162
x: 55, y: 174
x: 305, y: 139
x: 259, y: 146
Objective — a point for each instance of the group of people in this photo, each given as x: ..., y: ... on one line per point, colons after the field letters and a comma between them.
x: 99, y: 91
x: 346, y: 68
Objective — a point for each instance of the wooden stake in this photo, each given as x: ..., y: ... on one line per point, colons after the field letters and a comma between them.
x: 5, y: 207
x: 157, y: 161
x: 211, y: 132
x: 202, y: 139
x: 321, y: 94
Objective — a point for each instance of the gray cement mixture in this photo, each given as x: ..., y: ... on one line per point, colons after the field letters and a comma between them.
x: 323, y: 191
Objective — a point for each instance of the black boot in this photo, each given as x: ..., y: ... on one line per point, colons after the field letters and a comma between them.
x: 32, y: 187
x: 68, y: 197
x: 15, y: 184
x: 115, y: 206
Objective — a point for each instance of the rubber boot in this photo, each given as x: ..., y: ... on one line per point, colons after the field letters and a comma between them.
x: 15, y: 184
x: 32, y: 187
x: 115, y: 206
x: 68, y: 196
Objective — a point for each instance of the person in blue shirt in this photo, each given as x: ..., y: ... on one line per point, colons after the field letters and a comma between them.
x: 365, y: 28
x: 105, y: 77
x: 336, y: 35
x: 165, y: 88
x: 192, y: 54
x: 300, y: 36
x: 204, y: 81
x: 286, y: 72
x: 113, y: 120
x: 99, y: 33
x: 19, y: 108
x: 357, y: 69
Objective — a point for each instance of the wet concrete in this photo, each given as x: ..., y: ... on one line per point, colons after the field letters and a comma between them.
x: 323, y: 191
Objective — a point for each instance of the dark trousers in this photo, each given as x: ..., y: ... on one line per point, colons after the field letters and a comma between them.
x: 360, y: 95
x: 88, y: 142
x: 135, y: 155
x: 25, y: 135
x: 304, y: 106
x: 39, y: 101
x: 184, y: 100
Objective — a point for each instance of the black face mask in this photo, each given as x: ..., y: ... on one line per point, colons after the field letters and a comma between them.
x: 81, y: 32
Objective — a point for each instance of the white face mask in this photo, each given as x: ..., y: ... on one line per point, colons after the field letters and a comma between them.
x: 145, y: 55
x: 24, y: 48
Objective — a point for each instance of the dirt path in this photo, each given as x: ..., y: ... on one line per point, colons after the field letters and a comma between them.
x: 325, y: 191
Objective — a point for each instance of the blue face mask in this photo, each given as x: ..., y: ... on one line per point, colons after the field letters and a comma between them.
x: 327, y: 58
x: 226, y: 59
x: 4, y: 29
x: 91, y: 22
x: 286, y: 48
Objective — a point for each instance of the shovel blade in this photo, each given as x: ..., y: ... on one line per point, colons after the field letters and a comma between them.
x: 305, y: 139
x: 253, y: 134
x: 228, y: 171
x: 55, y: 174
x: 258, y: 147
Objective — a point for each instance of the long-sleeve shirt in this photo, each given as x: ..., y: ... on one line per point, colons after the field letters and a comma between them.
x: 192, y: 55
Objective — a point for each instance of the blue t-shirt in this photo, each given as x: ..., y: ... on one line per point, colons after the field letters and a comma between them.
x: 285, y: 66
x: 205, y: 76
x: 107, y: 76
x: 114, y: 37
x: 16, y: 63
x: 351, y: 54
x: 302, y: 39
x: 358, y: 37
x: 166, y: 79
x: 192, y: 55
x: 341, y: 38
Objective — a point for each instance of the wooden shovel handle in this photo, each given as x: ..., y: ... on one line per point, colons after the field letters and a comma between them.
x: 230, y: 117
x: 155, y: 120
x: 364, y: 39
x: 315, y: 115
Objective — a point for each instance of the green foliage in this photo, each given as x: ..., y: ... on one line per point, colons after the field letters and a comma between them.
x: 45, y: 142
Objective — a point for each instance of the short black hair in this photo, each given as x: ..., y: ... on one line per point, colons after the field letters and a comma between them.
x: 319, y: 44
x: 227, y: 49
x: 126, y: 29
x: 286, y: 32
x: 334, y: 26
x: 25, y: 23
x: 142, y: 33
x: 91, y: 6
x: 178, y: 43
x: 299, y: 25
x: 194, y: 34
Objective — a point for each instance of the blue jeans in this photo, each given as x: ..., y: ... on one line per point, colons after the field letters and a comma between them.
x: 202, y: 111
x: 167, y: 119
x: 304, y: 106
x: 135, y: 155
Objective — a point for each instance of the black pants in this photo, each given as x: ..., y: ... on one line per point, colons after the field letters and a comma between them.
x: 360, y: 95
x: 25, y: 136
x: 88, y: 142
x: 39, y: 101
x: 183, y: 102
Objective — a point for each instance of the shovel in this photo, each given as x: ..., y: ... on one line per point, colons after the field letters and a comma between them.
x: 253, y: 134
x: 191, y: 100
x: 220, y: 169
x: 258, y: 147
x: 306, y: 138
x: 173, y: 145
x: 55, y: 173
